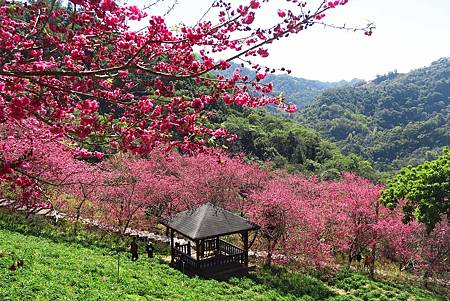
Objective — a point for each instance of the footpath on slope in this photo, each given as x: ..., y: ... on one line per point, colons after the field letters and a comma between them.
x: 56, y: 216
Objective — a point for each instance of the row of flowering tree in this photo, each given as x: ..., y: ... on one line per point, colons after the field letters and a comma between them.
x: 304, y: 221
x: 315, y: 223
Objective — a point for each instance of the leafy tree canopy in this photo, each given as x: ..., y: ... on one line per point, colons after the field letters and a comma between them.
x: 426, y: 189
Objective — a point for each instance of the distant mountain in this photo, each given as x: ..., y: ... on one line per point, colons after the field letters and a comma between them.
x: 302, y: 91
x: 296, y: 90
x: 393, y: 121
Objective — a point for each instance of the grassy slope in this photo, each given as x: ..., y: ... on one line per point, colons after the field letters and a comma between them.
x: 62, y: 271
x: 69, y: 271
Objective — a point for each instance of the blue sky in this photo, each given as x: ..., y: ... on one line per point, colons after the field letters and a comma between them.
x: 410, y: 34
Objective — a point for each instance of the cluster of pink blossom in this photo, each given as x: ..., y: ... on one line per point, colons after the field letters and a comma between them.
x: 77, y: 70
x: 307, y: 220
x: 313, y: 221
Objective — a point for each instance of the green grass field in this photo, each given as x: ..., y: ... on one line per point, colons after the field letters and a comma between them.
x: 68, y: 271
x: 57, y: 270
x: 61, y: 271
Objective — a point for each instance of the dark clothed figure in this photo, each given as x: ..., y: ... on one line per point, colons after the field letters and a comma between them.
x: 368, y: 262
x: 149, y: 249
x: 134, y: 250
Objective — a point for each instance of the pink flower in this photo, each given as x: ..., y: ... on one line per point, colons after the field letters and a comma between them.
x: 263, y: 52
x: 291, y: 109
x: 227, y: 99
x: 123, y: 73
x: 219, y: 133
x: 99, y: 155
x: 254, y: 4
x: 134, y: 13
x: 107, y: 5
x: 232, y: 138
x: 83, y: 153
x: 242, y: 10
x: 281, y: 13
x: 268, y: 88
x: 260, y: 76
x: 111, y: 20
x: 90, y: 106
x: 319, y: 17
x: 249, y: 18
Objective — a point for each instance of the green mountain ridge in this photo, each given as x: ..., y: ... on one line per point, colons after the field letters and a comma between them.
x: 393, y: 121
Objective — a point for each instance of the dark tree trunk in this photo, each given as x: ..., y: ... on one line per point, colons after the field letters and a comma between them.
x: 269, y: 254
x: 374, y: 248
x: 77, y: 217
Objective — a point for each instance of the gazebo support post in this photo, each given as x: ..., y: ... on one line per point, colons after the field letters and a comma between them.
x: 197, y: 249
x: 245, y: 239
x: 217, y: 246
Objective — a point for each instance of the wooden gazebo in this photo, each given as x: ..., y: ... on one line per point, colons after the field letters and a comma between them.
x: 208, y: 255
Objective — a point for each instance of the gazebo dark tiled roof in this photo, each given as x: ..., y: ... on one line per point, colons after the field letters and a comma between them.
x: 208, y: 221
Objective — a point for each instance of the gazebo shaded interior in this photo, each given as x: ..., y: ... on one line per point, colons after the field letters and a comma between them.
x: 204, y: 226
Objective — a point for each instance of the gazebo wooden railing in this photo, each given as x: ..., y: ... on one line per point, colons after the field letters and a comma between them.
x: 220, y: 261
x: 212, y: 256
x: 227, y: 248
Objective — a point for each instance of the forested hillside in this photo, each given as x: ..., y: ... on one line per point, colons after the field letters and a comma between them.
x: 393, y: 121
x: 286, y: 144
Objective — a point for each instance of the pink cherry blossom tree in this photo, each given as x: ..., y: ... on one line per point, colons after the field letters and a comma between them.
x: 81, y: 73
x: 35, y: 160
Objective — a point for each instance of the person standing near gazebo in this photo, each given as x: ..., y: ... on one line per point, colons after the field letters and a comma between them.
x: 134, y: 250
x: 149, y: 248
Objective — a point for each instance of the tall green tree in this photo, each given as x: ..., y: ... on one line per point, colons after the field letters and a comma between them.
x: 425, y: 189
